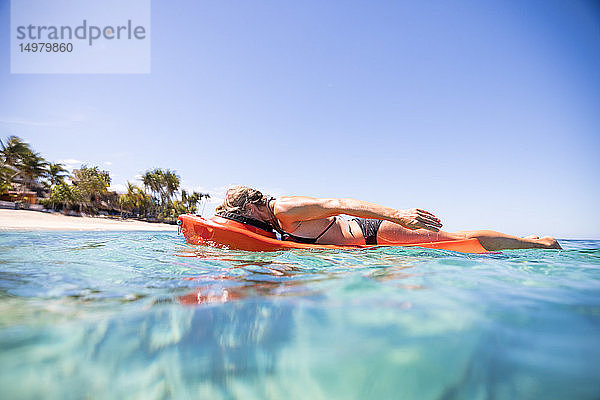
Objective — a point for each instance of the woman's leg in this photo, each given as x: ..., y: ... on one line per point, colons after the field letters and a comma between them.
x: 493, y: 241
x: 490, y: 240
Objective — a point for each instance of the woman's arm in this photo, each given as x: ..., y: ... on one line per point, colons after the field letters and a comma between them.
x: 296, y: 209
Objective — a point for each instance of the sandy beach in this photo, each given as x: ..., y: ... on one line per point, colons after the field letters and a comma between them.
x: 35, y: 220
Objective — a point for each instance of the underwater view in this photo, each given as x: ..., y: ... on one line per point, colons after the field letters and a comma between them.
x: 105, y: 315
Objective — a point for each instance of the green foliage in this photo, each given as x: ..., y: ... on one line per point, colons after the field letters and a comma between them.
x: 190, y: 201
x: 135, y: 201
x: 162, y: 184
x: 65, y: 195
x: 32, y: 166
x: 56, y: 173
x: 4, y: 186
x: 4, y: 178
x: 14, y: 149
x: 90, y: 184
x: 19, y: 159
x: 47, y: 203
x: 89, y: 188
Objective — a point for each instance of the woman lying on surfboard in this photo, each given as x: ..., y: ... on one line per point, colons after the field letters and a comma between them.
x: 316, y: 221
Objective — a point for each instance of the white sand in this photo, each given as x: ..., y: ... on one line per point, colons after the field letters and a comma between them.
x: 35, y: 220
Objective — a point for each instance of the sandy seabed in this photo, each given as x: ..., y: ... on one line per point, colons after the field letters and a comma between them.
x: 35, y: 220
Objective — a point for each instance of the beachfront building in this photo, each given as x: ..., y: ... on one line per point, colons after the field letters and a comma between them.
x: 21, y: 190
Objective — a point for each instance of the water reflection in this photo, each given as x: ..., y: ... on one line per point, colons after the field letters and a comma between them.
x: 242, y: 275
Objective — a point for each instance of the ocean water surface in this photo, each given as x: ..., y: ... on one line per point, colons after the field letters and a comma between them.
x: 107, y: 315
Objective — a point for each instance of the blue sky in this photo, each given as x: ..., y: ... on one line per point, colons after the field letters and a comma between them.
x: 486, y: 114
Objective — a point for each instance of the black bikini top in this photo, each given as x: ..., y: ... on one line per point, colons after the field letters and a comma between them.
x: 246, y: 220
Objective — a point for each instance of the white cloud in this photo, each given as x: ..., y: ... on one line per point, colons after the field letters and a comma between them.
x: 107, y: 163
x: 71, y: 163
x: 118, y: 187
x: 61, y: 122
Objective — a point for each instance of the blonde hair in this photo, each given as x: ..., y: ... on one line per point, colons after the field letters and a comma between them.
x: 238, y: 198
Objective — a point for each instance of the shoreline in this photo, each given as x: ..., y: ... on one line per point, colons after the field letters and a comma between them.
x: 28, y: 220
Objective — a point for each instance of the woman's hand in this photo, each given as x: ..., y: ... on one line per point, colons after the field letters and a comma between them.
x: 415, y: 218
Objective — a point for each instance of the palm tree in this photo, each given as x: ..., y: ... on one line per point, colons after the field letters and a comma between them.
x: 14, y: 150
x: 5, y: 173
x: 163, y: 184
x: 204, y: 196
x: 191, y: 201
x: 150, y: 181
x: 65, y: 195
x: 127, y: 200
x: 171, y: 183
x: 32, y: 166
x: 56, y: 173
x: 91, y: 184
x: 135, y: 200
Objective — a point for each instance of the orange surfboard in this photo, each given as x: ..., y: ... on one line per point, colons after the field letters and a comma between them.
x: 225, y: 233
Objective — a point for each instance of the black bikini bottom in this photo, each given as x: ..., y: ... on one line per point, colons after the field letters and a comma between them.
x: 369, y: 228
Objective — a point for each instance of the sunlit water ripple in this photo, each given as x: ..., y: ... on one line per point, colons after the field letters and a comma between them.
x: 143, y: 315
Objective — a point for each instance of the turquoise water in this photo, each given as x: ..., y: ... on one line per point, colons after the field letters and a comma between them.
x: 108, y: 315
